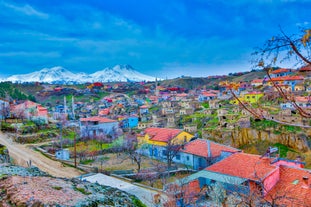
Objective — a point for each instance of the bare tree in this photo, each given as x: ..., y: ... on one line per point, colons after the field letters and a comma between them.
x: 278, y: 49
x: 130, y: 147
x: 171, y: 150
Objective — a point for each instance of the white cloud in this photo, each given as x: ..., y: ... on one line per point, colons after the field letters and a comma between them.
x: 26, y: 10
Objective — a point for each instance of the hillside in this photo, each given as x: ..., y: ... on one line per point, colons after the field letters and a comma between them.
x: 12, y: 91
x: 30, y: 186
x: 212, y: 81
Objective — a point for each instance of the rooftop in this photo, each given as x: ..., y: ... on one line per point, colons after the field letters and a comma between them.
x: 199, y: 147
x: 244, y: 165
x: 97, y: 119
x: 162, y: 134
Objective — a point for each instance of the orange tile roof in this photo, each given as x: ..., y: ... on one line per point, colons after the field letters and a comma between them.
x: 291, y: 188
x: 254, y: 93
x: 181, y: 95
x: 302, y: 99
x: 99, y: 119
x: 257, y: 81
x: 244, y: 166
x: 305, y: 68
x: 287, y: 78
x: 282, y: 70
x: 144, y: 107
x: 162, y: 134
x: 208, y: 94
x: 199, y: 147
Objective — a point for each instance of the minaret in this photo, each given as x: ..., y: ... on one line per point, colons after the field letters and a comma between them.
x: 65, y: 105
x: 73, y: 106
x: 156, y: 87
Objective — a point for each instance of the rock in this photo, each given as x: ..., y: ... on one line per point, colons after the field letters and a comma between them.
x: 31, y: 187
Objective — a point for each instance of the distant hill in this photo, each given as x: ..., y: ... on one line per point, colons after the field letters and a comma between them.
x: 212, y: 81
x: 10, y: 91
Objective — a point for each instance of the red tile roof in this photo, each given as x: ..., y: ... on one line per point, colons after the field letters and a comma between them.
x: 162, y: 134
x: 287, y: 78
x: 99, y: 119
x: 244, y: 166
x: 257, y: 81
x: 199, y: 147
x: 282, y: 70
x: 291, y: 188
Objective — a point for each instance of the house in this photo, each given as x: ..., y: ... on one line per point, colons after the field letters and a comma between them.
x: 200, y: 153
x: 249, y: 175
x: 286, y: 80
x: 153, y: 141
x: 129, y: 122
x: 97, y: 126
x: 144, y: 109
x: 62, y: 154
x: 30, y: 110
x: 280, y: 72
x: 206, y: 96
x: 245, y: 86
x: 299, y: 87
x: 251, y: 97
x: 4, y: 109
x: 301, y: 101
x: 293, y: 187
x: 257, y: 82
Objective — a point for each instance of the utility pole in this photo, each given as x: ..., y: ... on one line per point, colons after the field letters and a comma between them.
x: 75, y: 150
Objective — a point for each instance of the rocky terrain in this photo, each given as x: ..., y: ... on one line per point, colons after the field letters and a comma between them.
x: 21, y: 186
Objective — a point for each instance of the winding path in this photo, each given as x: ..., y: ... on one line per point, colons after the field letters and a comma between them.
x: 21, y: 154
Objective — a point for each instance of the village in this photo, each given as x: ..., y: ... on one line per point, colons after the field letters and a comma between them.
x: 235, y: 142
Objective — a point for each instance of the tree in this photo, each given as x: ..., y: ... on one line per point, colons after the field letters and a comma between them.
x: 283, y: 47
x: 131, y: 150
x: 278, y: 49
x: 171, y: 150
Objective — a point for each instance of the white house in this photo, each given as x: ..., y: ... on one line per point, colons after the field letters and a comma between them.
x: 200, y: 153
x: 4, y: 109
x: 96, y: 126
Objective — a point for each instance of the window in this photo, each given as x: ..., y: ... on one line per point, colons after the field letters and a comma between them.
x: 164, y: 152
x: 187, y: 158
x: 178, y: 157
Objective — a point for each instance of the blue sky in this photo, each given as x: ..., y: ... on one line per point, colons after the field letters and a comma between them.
x: 163, y: 38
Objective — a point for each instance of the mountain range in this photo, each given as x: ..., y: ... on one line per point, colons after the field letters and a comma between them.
x: 60, y: 75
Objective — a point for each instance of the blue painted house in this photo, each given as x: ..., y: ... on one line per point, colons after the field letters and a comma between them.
x: 129, y: 122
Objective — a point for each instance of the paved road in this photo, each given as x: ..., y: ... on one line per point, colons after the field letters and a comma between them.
x: 145, y: 195
x: 21, y: 154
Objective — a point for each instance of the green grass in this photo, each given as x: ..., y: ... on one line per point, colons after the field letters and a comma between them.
x: 137, y: 202
x: 83, y: 191
x: 57, y: 187
x: 86, y: 162
x: 283, y: 149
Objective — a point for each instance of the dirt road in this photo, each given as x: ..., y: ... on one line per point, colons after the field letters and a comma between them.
x: 21, y: 154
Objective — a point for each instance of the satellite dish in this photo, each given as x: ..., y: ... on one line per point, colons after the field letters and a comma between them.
x: 269, y: 151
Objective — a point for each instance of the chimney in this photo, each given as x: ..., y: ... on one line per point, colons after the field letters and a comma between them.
x: 209, y: 153
x: 305, y: 183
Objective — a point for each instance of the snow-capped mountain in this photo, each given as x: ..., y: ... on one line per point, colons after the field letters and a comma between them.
x: 60, y: 75
x: 120, y: 73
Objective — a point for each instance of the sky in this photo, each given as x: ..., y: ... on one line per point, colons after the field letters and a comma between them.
x: 161, y: 38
